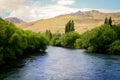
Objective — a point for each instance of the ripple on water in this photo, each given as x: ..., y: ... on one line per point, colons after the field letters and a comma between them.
x: 66, y: 64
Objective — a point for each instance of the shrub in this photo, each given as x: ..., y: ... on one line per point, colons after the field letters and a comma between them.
x: 115, y: 47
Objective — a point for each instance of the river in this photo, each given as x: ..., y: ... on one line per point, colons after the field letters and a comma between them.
x: 64, y: 64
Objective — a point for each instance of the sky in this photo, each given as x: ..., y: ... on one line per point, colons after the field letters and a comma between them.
x: 31, y: 10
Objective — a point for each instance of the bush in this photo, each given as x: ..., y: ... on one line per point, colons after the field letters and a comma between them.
x: 115, y: 47
x: 99, y: 38
x: 15, y: 41
x: 55, y: 41
x: 69, y: 39
x: 78, y: 43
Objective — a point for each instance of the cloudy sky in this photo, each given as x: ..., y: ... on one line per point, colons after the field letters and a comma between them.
x: 30, y: 10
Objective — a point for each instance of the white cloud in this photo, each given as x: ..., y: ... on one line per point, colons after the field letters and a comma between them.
x: 64, y: 2
x: 30, y: 13
x: 10, y: 5
x: 29, y: 10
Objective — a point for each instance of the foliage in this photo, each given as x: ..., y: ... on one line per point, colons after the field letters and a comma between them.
x: 108, y: 21
x: 65, y: 40
x: 78, y: 43
x: 48, y: 34
x: 55, y: 41
x: 14, y: 42
x: 69, y: 39
x: 99, y: 39
x: 69, y: 26
x: 115, y: 47
x: 117, y: 30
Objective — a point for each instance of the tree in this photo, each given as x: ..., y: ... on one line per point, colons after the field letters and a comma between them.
x: 106, y: 21
x: 110, y: 21
x: 48, y: 34
x: 115, y: 47
x: 15, y: 42
x: 99, y: 39
x: 69, y: 39
x: 55, y: 41
x: 78, y: 43
x: 69, y: 26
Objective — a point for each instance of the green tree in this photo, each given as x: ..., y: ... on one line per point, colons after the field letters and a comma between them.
x: 15, y: 42
x: 69, y: 39
x: 99, y: 39
x: 48, y: 34
x: 115, y: 47
x: 55, y: 41
x: 117, y: 30
x: 69, y: 26
x: 110, y: 21
x: 78, y: 43
x: 106, y: 21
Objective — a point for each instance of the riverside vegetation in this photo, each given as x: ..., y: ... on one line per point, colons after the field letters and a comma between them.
x: 103, y: 39
x: 15, y: 42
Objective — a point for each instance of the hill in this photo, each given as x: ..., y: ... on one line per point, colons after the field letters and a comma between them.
x: 14, y: 20
x: 83, y: 21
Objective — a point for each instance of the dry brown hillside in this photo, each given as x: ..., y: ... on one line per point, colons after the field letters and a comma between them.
x: 82, y: 23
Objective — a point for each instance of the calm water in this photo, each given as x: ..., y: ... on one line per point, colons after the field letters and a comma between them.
x: 64, y: 64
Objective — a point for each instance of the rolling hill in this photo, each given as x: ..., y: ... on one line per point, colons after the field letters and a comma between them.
x: 83, y: 21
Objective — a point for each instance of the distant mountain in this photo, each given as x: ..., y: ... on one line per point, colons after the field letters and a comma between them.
x: 14, y: 20
x: 95, y: 14
x: 83, y: 21
x: 82, y: 14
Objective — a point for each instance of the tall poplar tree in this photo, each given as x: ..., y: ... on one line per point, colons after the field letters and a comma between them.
x: 69, y: 26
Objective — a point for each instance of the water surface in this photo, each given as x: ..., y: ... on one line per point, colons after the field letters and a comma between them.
x: 64, y: 64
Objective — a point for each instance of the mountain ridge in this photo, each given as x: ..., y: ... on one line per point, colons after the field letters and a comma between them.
x: 15, y: 20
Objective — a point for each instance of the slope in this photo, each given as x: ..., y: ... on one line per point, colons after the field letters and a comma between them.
x: 82, y: 23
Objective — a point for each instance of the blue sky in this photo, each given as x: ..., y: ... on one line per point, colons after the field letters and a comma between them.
x: 30, y: 10
x: 98, y: 4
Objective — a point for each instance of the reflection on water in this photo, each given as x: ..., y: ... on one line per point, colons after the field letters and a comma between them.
x: 65, y: 64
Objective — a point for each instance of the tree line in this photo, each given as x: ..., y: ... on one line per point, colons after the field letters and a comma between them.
x: 103, y: 39
x: 15, y: 42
